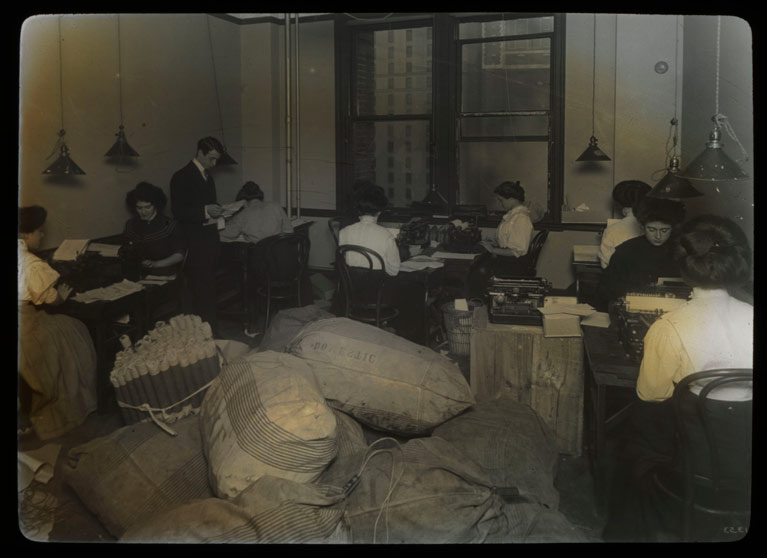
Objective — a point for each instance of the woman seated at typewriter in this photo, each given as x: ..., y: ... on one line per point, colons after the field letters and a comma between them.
x: 151, y: 239
x: 371, y: 201
x: 514, y: 233
x: 712, y: 330
x: 627, y: 194
x: 639, y: 262
x: 257, y: 219
x: 57, y: 360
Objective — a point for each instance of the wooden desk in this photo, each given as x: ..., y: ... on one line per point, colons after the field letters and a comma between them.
x: 608, y: 367
x: 543, y: 372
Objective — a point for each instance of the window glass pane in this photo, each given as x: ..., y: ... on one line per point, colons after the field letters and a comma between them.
x: 484, y: 165
x: 374, y: 68
x: 505, y: 76
x: 483, y: 126
x: 483, y: 29
x: 371, y: 158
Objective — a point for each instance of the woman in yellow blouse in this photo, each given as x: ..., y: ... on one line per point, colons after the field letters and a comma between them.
x: 57, y: 360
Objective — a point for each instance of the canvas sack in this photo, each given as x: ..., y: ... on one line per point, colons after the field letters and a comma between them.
x: 264, y: 415
x: 422, y: 491
x: 138, y: 471
x: 271, y: 510
x: 286, y: 324
x: 382, y: 380
x: 512, y: 444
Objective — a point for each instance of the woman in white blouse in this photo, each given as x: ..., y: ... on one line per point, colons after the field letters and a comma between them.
x: 712, y: 330
x: 57, y: 360
x: 514, y: 233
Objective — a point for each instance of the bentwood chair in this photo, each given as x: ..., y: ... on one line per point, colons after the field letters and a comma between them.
x: 282, y: 260
x: 709, y: 479
x: 363, y: 287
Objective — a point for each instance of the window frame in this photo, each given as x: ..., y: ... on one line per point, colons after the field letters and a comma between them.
x: 445, y: 116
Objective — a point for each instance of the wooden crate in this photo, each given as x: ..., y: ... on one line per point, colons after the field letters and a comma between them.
x: 543, y: 372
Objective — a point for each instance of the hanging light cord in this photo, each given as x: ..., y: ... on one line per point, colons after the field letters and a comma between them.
x: 719, y: 119
x: 60, y: 141
x: 215, y: 81
x: 593, y: 73
x: 120, y: 70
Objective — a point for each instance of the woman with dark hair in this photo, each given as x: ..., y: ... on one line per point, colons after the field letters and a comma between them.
x: 257, y: 219
x: 627, y: 194
x: 57, y: 360
x: 150, y: 236
x: 712, y: 330
x: 639, y: 262
x: 370, y: 202
x: 514, y: 233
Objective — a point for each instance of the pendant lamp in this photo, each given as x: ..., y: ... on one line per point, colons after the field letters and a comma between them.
x: 713, y: 164
x: 225, y: 158
x: 120, y: 150
x: 64, y: 165
x: 672, y: 185
x: 593, y: 152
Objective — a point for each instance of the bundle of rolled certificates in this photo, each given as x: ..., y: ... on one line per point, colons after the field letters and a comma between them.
x: 166, y: 373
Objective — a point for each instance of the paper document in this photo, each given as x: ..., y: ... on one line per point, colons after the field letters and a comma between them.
x: 420, y: 262
x: 298, y: 221
x: 573, y: 309
x: 37, y: 464
x: 585, y: 253
x: 156, y: 279
x: 461, y: 304
x: 70, y: 249
x: 232, y: 208
x: 454, y: 256
x: 112, y: 292
x: 106, y: 250
x: 597, y: 319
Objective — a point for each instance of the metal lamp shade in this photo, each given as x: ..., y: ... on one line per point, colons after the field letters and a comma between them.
x: 714, y: 164
x: 64, y: 165
x: 225, y: 159
x: 121, y: 148
x: 674, y: 186
x: 593, y: 153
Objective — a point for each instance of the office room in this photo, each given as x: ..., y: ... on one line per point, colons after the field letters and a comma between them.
x: 385, y: 278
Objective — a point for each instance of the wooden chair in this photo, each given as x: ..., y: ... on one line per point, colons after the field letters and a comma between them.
x: 282, y: 260
x: 531, y: 258
x: 363, y: 287
x: 710, y: 477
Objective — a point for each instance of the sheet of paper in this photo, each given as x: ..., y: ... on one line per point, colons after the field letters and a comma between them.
x: 70, y: 249
x: 585, y: 253
x: 232, y: 208
x: 573, y: 309
x: 597, y: 319
x: 454, y: 256
x: 417, y: 263
x: 37, y: 464
x: 112, y: 292
x: 106, y: 250
x: 461, y: 304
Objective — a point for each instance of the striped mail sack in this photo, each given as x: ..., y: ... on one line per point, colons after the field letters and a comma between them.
x: 265, y: 415
x: 165, y: 374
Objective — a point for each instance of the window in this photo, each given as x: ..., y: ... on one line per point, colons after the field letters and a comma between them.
x: 390, y: 176
x: 391, y: 52
x: 499, y: 108
x: 390, y: 163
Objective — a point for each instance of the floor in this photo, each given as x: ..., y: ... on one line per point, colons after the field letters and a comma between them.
x: 53, y: 512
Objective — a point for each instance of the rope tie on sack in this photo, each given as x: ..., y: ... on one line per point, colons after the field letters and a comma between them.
x: 164, y: 411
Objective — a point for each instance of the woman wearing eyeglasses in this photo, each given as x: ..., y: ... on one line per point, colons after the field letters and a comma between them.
x: 640, y: 261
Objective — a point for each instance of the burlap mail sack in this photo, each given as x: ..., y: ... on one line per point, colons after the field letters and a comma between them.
x: 138, y: 471
x: 422, y: 491
x: 271, y: 510
x: 382, y: 380
x: 512, y: 445
x: 264, y: 415
x: 286, y: 324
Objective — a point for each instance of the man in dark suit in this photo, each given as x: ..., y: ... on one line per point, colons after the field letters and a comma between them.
x: 193, y: 201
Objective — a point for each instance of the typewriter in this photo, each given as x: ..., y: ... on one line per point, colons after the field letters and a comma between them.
x: 416, y: 232
x: 463, y: 239
x: 515, y: 300
x: 635, y: 312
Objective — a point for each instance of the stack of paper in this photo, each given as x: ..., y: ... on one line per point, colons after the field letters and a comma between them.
x: 585, y: 253
x: 454, y: 256
x: 106, y: 250
x: 562, y: 316
x: 156, y: 279
x: 420, y: 262
x: 112, y: 292
x: 70, y: 249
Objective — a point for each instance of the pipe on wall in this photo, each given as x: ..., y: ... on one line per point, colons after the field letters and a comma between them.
x: 297, y: 163
x: 288, y: 123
